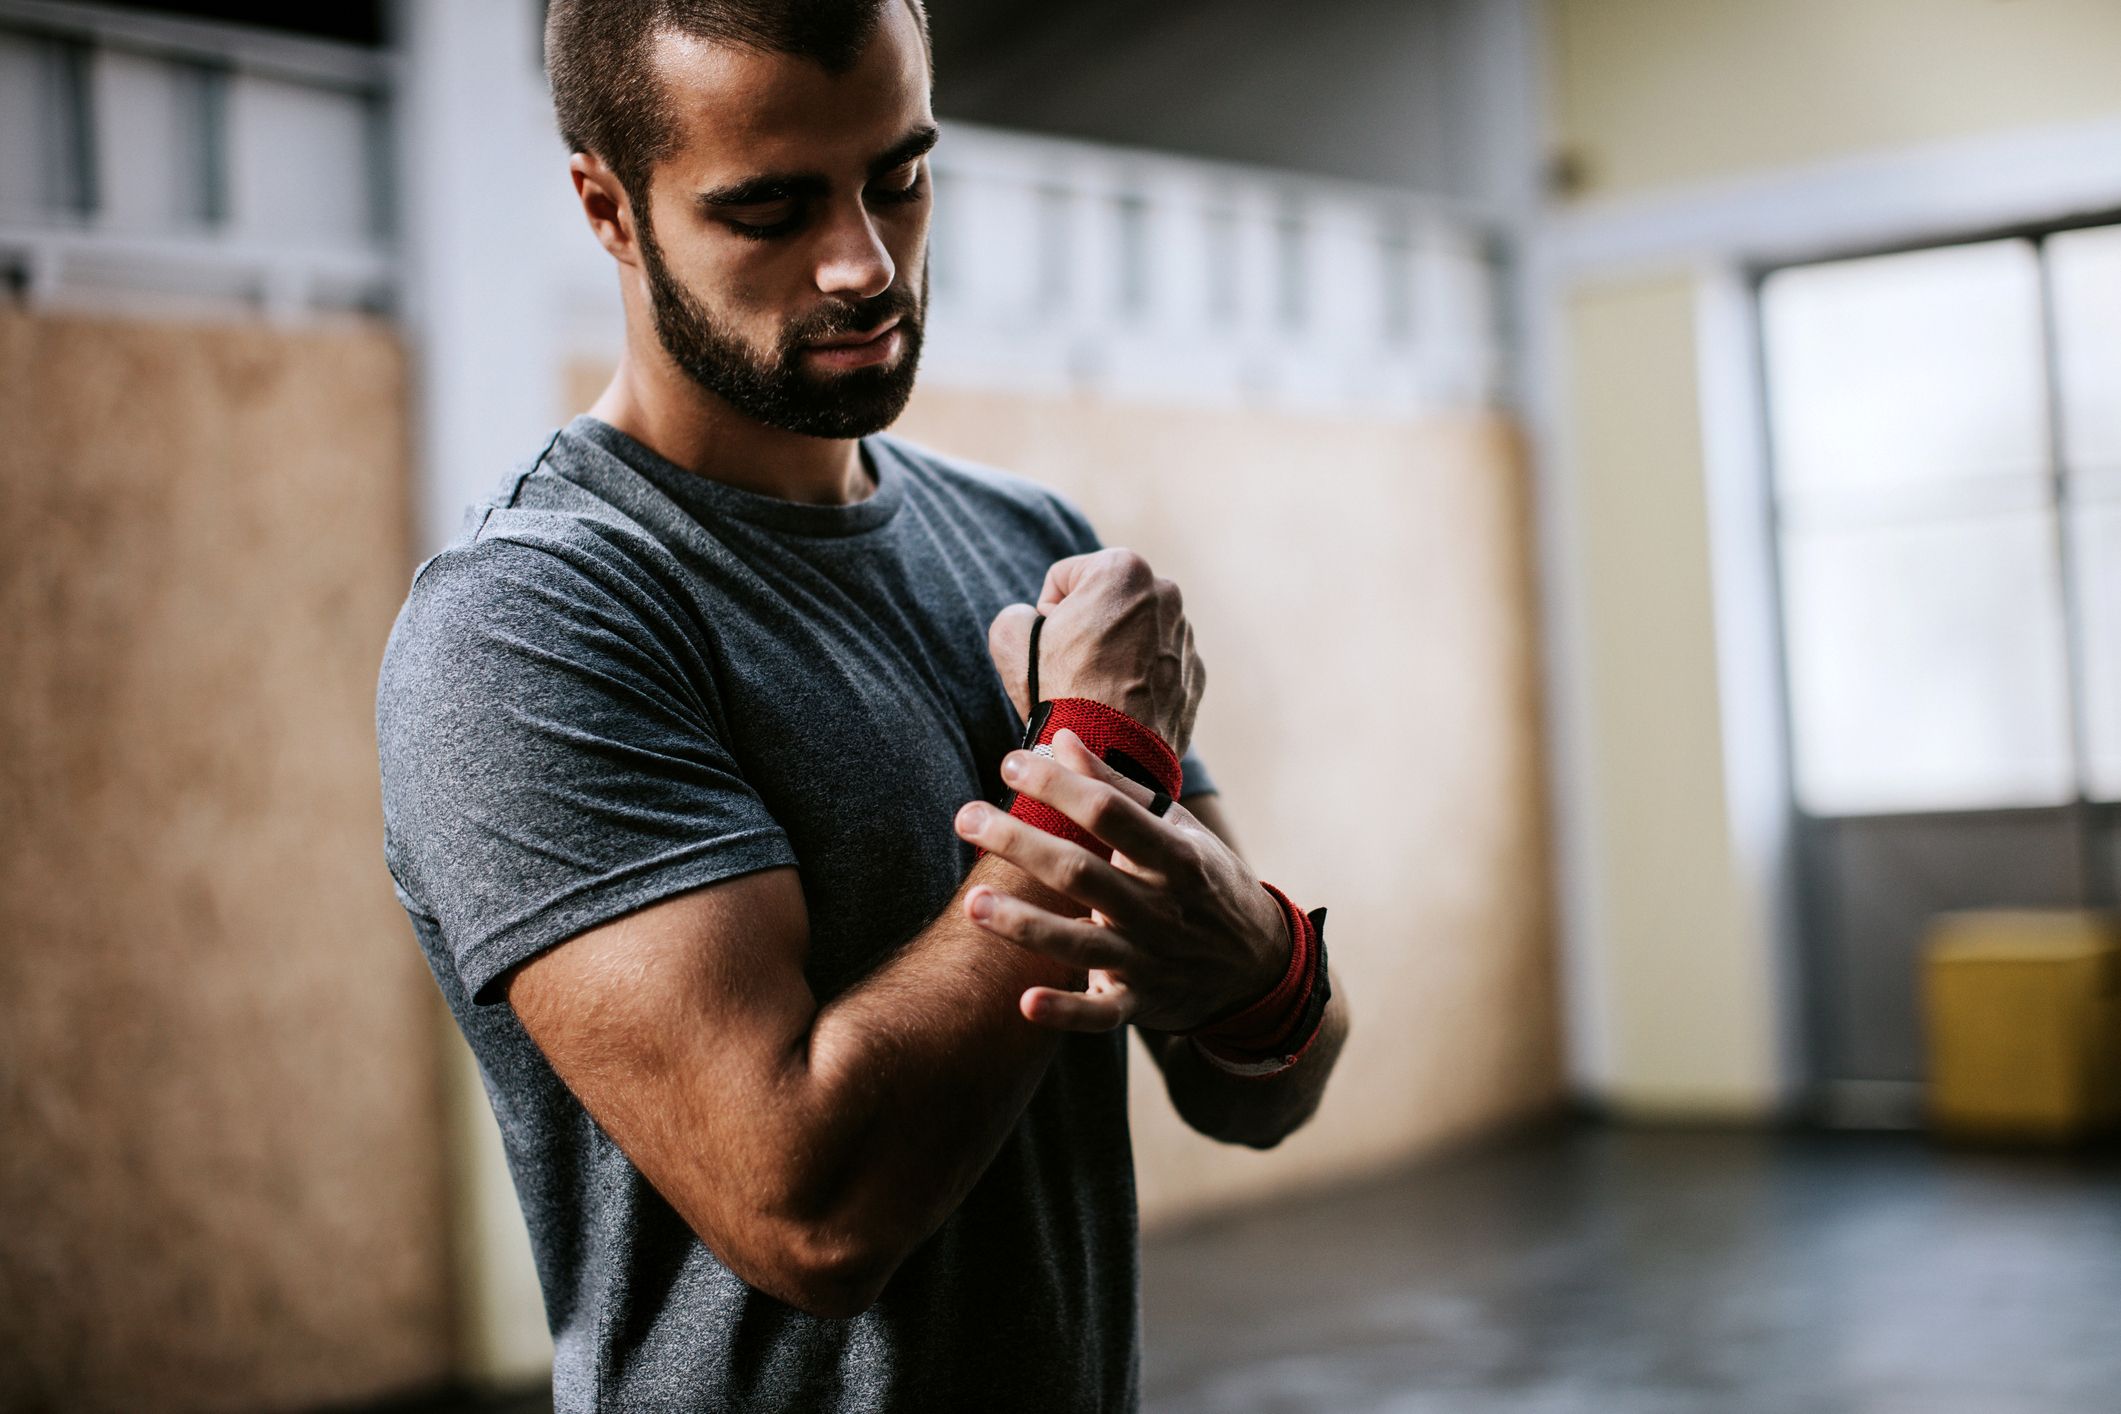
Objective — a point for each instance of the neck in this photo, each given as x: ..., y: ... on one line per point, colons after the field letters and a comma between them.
x: 656, y: 403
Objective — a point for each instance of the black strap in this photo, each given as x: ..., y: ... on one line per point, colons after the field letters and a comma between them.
x: 1031, y: 672
x: 1159, y: 804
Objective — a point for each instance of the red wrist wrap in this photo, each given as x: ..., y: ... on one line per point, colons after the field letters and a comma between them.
x: 1274, y: 1032
x: 1113, y: 737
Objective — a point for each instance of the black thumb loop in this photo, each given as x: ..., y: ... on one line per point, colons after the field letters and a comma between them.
x: 1031, y: 671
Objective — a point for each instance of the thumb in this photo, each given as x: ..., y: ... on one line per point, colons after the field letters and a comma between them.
x: 1064, y: 577
x: 1009, y: 645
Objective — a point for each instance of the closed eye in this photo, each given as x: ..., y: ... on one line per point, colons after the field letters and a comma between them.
x: 903, y: 185
x: 764, y: 220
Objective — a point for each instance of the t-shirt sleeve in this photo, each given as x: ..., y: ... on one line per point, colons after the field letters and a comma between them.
x: 550, y: 761
x: 1083, y: 537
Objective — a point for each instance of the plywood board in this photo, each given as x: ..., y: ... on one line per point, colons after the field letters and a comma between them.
x: 222, y: 1171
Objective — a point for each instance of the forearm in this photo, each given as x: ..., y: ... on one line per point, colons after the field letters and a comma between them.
x: 912, y: 1078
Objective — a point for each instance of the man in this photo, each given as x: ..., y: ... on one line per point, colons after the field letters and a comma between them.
x: 813, y: 1084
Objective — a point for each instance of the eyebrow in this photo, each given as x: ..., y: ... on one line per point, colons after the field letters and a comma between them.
x: 781, y: 186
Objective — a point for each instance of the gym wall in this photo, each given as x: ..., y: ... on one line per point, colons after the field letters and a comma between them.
x: 222, y: 1170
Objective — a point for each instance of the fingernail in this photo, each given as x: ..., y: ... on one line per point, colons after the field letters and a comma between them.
x: 982, y: 906
x: 1068, y: 732
x: 969, y: 817
x: 1012, y: 766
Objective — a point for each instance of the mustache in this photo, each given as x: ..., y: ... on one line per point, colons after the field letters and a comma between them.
x: 857, y: 317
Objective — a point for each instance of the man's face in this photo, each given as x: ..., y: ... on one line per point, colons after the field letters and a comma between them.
x: 790, y: 223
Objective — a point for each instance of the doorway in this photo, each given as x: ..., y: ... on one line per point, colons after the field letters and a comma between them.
x: 1944, y: 432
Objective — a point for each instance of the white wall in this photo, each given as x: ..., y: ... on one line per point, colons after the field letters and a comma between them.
x: 500, y: 268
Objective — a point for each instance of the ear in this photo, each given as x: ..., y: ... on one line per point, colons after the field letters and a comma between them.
x: 606, y: 204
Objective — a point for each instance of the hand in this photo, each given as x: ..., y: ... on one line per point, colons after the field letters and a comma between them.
x: 1115, y: 633
x: 1179, y: 930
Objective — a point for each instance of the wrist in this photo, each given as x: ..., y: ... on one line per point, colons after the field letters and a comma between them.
x: 1272, y: 965
x: 1273, y: 1032
x: 1120, y: 741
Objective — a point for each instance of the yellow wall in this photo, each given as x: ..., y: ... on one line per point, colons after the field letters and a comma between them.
x: 220, y: 1146
x: 1655, y: 93
x: 1679, y: 942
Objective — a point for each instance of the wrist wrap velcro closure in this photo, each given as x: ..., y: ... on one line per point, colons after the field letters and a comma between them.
x: 1128, y: 747
x: 1272, y: 1033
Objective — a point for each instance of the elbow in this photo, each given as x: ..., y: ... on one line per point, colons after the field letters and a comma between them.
x: 1265, y: 1139
x: 836, y: 1284
x: 821, y: 1271
x: 1266, y: 1132
x: 1250, y: 1128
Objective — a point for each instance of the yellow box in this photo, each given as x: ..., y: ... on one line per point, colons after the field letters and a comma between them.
x: 2023, y: 1009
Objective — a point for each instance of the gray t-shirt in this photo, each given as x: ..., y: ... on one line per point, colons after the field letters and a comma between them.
x: 622, y: 681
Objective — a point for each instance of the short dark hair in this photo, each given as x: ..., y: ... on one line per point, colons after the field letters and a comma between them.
x: 605, y: 92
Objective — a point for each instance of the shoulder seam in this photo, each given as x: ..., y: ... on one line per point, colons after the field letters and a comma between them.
x: 515, y: 488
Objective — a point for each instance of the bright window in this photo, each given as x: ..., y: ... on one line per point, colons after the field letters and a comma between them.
x: 1919, y: 506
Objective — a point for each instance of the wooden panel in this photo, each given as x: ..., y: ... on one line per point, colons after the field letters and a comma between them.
x: 222, y: 1172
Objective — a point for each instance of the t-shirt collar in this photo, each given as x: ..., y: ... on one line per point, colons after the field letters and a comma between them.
x: 709, y: 499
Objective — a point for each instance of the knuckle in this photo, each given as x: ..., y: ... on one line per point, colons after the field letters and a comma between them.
x: 1034, y: 773
x: 1005, y: 628
x: 1131, y: 567
x: 999, y: 830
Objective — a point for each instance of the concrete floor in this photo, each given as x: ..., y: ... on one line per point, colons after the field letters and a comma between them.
x: 1611, y: 1271
x: 1601, y: 1271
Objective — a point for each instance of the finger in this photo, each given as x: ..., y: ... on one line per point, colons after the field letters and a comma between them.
x: 1106, y: 1010
x: 1089, y: 792
x: 1009, y: 645
x: 1063, y: 577
x: 1069, y: 940
x: 1062, y: 865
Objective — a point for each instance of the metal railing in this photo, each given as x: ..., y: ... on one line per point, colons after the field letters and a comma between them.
x: 152, y: 156
x: 1146, y: 274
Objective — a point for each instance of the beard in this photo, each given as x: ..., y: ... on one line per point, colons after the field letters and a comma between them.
x: 781, y: 392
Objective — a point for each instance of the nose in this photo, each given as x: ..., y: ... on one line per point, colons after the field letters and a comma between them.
x: 853, y: 261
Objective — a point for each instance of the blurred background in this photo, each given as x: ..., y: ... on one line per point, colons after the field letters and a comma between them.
x: 1680, y: 441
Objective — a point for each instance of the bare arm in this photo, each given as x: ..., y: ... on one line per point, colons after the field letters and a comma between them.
x: 811, y: 1148
x: 1259, y: 1111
